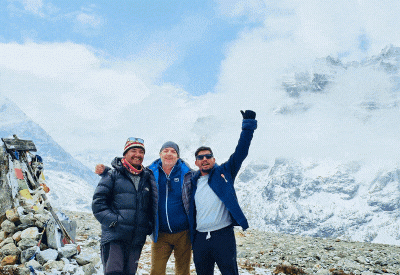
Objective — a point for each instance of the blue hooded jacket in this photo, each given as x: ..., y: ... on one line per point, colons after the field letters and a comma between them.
x: 221, y: 180
x: 173, y: 197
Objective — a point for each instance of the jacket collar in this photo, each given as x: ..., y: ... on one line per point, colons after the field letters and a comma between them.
x: 117, y: 164
x: 197, y: 174
x: 180, y: 163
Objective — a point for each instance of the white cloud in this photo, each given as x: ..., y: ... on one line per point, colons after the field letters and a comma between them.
x: 324, y: 27
x: 293, y: 35
x: 40, y: 8
x: 85, y: 102
x: 163, y: 48
x: 77, y: 96
x: 65, y: 85
x: 33, y: 6
x: 88, y: 19
x: 48, y: 60
x: 252, y: 9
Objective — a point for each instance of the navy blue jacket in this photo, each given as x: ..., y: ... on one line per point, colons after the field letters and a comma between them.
x: 125, y: 214
x: 222, y: 177
x: 173, y: 203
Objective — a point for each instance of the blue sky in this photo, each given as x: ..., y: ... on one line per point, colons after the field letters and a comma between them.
x: 83, y: 69
x: 191, y: 34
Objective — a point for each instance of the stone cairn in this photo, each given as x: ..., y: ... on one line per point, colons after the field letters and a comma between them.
x: 33, y: 237
x: 30, y: 244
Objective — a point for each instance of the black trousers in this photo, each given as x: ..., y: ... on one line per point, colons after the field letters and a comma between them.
x: 219, y: 249
x: 119, y: 258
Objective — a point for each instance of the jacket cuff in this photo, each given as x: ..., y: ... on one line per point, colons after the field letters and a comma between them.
x: 249, y: 124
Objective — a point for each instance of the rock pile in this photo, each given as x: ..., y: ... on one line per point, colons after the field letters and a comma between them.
x: 267, y: 253
x: 31, y: 242
x: 261, y: 253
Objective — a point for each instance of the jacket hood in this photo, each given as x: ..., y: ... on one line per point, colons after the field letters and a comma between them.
x: 117, y: 164
x: 155, y: 163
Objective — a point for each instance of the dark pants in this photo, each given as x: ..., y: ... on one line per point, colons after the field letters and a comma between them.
x: 119, y: 258
x: 219, y: 249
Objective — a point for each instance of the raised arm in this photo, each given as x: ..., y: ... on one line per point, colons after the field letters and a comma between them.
x: 249, y: 124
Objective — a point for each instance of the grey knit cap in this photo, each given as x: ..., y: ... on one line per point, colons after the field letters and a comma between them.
x: 170, y: 144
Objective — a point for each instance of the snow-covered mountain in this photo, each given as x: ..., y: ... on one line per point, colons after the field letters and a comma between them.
x: 321, y: 163
x: 356, y: 197
x: 351, y: 201
x: 71, y: 182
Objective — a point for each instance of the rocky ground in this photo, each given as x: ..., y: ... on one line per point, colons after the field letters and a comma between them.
x: 269, y: 253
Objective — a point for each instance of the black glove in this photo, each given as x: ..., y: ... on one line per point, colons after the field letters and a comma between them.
x: 248, y: 114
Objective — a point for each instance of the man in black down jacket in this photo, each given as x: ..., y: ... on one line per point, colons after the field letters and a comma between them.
x: 124, y: 205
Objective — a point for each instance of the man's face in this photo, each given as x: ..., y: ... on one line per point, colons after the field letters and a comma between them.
x: 203, y: 163
x: 169, y: 157
x: 135, y: 156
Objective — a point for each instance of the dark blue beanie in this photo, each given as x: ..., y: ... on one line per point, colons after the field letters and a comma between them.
x: 170, y: 144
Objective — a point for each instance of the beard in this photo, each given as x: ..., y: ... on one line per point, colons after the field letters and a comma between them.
x: 206, y: 171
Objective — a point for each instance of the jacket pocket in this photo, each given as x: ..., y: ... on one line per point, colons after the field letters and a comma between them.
x: 110, y: 220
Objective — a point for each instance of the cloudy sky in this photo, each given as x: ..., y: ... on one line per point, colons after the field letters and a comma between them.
x: 92, y: 73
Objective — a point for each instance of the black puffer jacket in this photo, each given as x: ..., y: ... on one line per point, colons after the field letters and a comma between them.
x: 125, y: 214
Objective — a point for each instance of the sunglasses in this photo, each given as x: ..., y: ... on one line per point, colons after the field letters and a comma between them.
x: 207, y: 156
x: 133, y: 139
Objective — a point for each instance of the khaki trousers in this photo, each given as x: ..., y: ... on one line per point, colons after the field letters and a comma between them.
x: 162, y: 250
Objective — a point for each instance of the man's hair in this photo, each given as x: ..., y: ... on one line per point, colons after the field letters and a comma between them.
x: 203, y: 148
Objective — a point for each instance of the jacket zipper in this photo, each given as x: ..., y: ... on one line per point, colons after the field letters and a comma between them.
x: 166, y: 198
x: 137, y: 197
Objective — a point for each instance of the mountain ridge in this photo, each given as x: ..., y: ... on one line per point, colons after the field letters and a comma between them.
x: 61, y: 170
x: 353, y: 196
x: 15, y: 121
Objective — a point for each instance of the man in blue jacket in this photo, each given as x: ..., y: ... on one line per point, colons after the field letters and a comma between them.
x: 172, y: 175
x: 214, y: 208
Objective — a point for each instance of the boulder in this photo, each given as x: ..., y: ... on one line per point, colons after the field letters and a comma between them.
x: 89, y: 269
x: 12, y: 215
x: 27, y: 254
x: 57, y: 265
x: 30, y: 233
x: 10, y: 249
x: 84, y: 259
x: 27, y: 220
x: 8, y: 227
x: 6, y: 241
x: 17, y: 236
x: 9, y: 260
x: 53, y: 232
x: 41, y: 219
x: 34, y: 264
x: 67, y: 251
x: 3, y: 235
x: 46, y: 255
x: 27, y: 243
